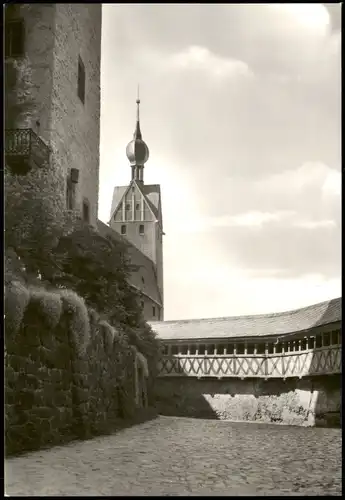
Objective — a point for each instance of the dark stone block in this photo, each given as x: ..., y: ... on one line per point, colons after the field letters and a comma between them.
x: 32, y: 381
x: 39, y: 397
x: 10, y: 396
x: 55, y: 375
x: 26, y: 398
x: 44, y: 412
x: 48, y: 341
x: 47, y: 357
x: 32, y: 339
x: 22, y: 417
x: 11, y: 343
x: 10, y: 374
x: 61, y: 398
x: 66, y: 377
x: 44, y: 373
x: 45, y: 426
x: 18, y: 363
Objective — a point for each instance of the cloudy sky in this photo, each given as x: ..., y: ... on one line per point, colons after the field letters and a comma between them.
x: 241, y: 112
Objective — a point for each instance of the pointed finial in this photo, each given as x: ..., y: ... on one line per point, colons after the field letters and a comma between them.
x: 137, y: 133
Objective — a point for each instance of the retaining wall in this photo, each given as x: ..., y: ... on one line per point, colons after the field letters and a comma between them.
x: 68, y: 375
x: 308, y: 401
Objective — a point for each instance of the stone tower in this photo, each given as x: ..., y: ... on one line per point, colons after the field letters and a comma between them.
x: 136, y: 211
x: 60, y: 44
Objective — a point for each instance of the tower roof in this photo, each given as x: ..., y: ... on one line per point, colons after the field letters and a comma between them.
x: 137, y: 151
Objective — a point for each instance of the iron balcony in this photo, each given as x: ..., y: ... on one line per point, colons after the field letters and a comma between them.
x: 24, y: 149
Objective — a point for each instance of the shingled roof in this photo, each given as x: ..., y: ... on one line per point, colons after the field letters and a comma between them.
x: 261, y: 325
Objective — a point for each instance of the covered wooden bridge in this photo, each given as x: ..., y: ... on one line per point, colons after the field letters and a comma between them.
x: 299, y: 343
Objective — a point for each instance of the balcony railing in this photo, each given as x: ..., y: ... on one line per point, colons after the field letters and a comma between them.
x: 23, y: 148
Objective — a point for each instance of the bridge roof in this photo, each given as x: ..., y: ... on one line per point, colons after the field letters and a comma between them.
x: 263, y: 325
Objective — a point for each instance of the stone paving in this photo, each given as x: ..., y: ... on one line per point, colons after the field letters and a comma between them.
x: 181, y: 456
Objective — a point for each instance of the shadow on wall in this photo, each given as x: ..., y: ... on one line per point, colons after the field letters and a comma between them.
x: 174, y: 398
x: 327, y: 395
x: 308, y: 401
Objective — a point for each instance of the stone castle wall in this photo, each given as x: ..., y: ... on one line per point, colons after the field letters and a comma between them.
x: 307, y: 401
x: 67, y: 373
x: 56, y: 35
x: 75, y: 133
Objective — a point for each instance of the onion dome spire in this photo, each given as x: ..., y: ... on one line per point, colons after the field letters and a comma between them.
x: 137, y: 151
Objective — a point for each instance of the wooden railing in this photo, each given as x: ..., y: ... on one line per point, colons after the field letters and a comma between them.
x: 319, y: 361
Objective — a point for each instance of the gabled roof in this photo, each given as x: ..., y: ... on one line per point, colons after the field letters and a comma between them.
x: 119, y: 191
x: 150, y: 192
x: 261, y: 325
x: 145, y: 265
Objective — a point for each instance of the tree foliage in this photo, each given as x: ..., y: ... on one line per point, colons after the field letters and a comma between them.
x: 96, y: 267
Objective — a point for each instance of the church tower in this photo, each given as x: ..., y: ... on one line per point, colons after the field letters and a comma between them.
x: 136, y: 212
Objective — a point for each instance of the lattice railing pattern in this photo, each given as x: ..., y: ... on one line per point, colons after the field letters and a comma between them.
x: 24, y: 142
x: 326, y: 360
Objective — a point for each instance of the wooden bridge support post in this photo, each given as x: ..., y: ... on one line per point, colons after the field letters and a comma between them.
x: 266, y: 360
x: 282, y: 358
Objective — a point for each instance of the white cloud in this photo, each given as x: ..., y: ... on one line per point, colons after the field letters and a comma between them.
x: 332, y: 184
x: 310, y: 224
x: 256, y: 219
x: 200, y: 58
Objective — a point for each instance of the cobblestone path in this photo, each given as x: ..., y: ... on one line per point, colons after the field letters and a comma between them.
x: 181, y: 456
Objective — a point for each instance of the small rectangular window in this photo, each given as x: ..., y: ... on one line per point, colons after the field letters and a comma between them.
x: 141, y: 229
x: 230, y: 349
x: 14, y: 38
x: 220, y: 349
x: 137, y: 206
x: 239, y: 348
x: 142, y: 304
x: 318, y: 341
x: 128, y: 206
x: 335, y: 338
x: 326, y: 339
x: 86, y: 211
x: 210, y: 349
x: 153, y: 311
x: 81, y: 80
x: 201, y: 349
x: 192, y: 349
x: 279, y: 348
x: 123, y: 229
x: 250, y: 348
x: 184, y: 349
